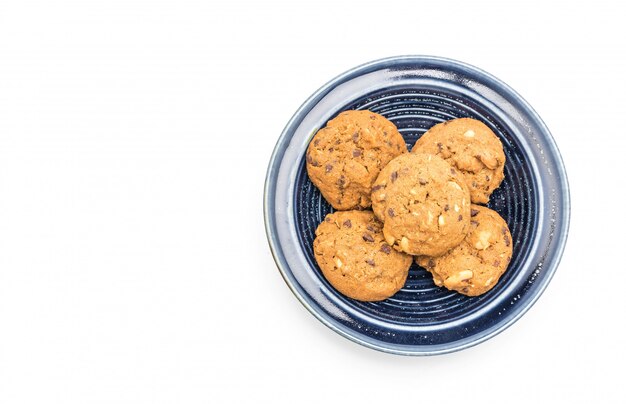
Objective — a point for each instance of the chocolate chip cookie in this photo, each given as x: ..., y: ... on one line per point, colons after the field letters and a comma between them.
x: 352, y: 253
x: 476, y: 265
x: 424, y: 204
x: 345, y: 157
x: 470, y: 147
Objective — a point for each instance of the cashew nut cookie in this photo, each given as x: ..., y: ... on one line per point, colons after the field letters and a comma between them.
x: 470, y: 147
x: 476, y: 265
x: 352, y: 253
x: 424, y: 204
x: 345, y: 157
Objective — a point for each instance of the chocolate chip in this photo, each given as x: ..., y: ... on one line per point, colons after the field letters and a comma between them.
x: 310, y: 160
x: 488, y: 178
x: 347, y: 223
x: 460, y: 217
x: 368, y: 237
x: 465, y: 289
x: 452, y: 171
x: 329, y: 167
x: 371, y: 262
x: 328, y: 219
x: 385, y: 248
x: 474, y: 212
x: 423, y: 181
x: 504, y: 230
x: 356, y: 153
x: 496, y: 263
x: 431, y: 263
x: 377, y: 187
x: 474, y: 222
x: 316, y: 142
x: 372, y: 116
x: 507, y: 240
x: 355, y: 137
x: 337, y: 141
x: 341, y: 182
x: 474, y: 184
x: 446, y: 208
x: 331, y: 149
x: 439, y: 146
x: 370, y: 228
x: 391, y: 212
x: 394, y: 176
x: 384, y: 133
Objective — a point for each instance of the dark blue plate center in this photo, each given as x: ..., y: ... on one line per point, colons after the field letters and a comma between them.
x: 413, y: 111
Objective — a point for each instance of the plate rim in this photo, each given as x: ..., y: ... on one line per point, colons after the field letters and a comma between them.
x: 486, y: 334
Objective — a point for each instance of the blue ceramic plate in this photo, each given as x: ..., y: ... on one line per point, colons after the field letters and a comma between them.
x: 415, y: 93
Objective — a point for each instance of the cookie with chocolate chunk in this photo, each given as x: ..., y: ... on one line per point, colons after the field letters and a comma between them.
x: 476, y: 265
x: 352, y: 253
x: 424, y: 204
x: 471, y: 148
x: 345, y: 157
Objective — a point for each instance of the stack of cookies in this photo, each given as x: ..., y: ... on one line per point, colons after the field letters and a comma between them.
x: 425, y: 205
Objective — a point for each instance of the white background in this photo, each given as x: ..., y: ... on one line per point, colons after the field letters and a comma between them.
x: 134, y: 139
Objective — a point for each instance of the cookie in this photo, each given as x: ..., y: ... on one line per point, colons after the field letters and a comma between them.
x: 424, y: 204
x: 354, y: 257
x: 345, y: 157
x: 470, y: 147
x: 476, y: 265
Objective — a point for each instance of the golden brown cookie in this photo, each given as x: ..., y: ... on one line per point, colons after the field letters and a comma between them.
x: 472, y: 148
x: 354, y: 257
x: 345, y: 157
x: 424, y: 204
x: 475, y: 266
